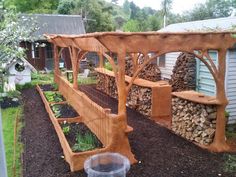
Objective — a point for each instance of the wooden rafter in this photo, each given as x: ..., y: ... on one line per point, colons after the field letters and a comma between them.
x: 160, y: 43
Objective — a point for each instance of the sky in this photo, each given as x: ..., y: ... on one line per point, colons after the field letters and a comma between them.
x: 178, y: 6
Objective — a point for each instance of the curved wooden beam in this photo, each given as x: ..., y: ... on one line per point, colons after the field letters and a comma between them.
x: 112, y: 62
x: 201, y: 58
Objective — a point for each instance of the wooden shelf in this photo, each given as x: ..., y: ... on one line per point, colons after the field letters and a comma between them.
x: 137, y: 81
x: 196, y: 97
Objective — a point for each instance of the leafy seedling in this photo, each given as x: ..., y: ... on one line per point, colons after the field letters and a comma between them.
x: 66, y: 129
x: 84, y: 142
x: 56, y: 110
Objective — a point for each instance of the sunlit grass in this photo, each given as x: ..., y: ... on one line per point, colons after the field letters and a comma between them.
x: 8, y: 119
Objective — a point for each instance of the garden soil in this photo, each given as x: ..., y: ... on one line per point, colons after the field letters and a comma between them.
x: 159, y: 152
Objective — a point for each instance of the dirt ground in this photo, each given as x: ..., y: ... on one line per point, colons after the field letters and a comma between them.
x: 160, y: 153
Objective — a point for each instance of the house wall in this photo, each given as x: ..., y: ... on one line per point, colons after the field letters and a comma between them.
x: 166, y: 71
x: 38, y: 63
x: 230, y: 78
x: 66, y: 57
x: 231, y: 84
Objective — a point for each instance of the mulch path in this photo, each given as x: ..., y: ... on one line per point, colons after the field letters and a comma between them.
x: 160, y: 153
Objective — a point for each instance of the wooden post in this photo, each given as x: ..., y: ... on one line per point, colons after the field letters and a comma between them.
x: 56, y: 62
x: 75, y: 67
x: 219, y: 144
x: 121, y: 87
x: 101, y: 60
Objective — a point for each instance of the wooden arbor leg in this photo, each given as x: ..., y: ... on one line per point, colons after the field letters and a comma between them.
x: 75, y: 67
x: 56, y: 60
x: 219, y: 143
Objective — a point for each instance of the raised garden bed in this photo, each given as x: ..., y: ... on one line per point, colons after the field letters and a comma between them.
x: 52, y: 96
x: 48, y: 87
x: 160, y: 152
x: 63, y: 111
x: 79, y: 137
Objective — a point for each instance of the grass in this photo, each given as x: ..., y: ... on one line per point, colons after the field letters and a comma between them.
x: 38, y: 78
x: 86, y: 81
x: 8, y: 119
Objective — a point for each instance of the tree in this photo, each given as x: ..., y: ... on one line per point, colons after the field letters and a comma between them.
x: 166, y: 7
x: 131, y: 26
x: 96, y: 12
x: 66, y: 6
x: 211, y: 9
x: 154, y: 23
x: 13, y: 29
x: 114, y: 1
x: 32, y: 6
x: 134, y: 10
x: 126, y: 7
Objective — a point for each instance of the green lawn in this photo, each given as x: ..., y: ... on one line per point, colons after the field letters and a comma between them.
x: 8, y: 119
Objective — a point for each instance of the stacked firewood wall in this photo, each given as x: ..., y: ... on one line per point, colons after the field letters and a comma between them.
x: 139, y: 98
x: 194, y: 121
x: 184, y: 73
x: 150, y: 72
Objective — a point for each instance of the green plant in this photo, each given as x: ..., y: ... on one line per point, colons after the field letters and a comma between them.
x: 25, y: 86
x: 56, y: 110
x: 108, y: 66
x: 55, y: 86
x: 227, y: 114
x: 65, y: 128
x: 8, y: 119
x: 230, y: 163
x: 14, y: 94
x: 84, y: 142
x: 53, y: 96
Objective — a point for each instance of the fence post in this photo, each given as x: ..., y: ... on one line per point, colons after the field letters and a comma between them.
x: 3, y: 167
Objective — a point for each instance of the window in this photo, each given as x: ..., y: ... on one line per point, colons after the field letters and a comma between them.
x: 162, y: 61
x: 35, y: 50
x: 49, y: 51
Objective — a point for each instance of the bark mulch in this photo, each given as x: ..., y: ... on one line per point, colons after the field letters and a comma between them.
x: 160, y: 153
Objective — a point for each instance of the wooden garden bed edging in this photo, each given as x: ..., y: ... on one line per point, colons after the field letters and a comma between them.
x: 76, y: 160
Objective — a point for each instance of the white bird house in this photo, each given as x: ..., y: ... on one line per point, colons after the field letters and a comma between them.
x: 19, y: 72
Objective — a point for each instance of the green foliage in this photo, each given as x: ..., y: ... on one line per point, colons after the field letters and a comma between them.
x: 97, y: 13
x: 131, y: 26
x: 14, y: 94
x: 87, y: 81
x: 32, y: 6
x: 65, y: 128
x: 12, y: 32
x: 66, y: 6
x: 56, y: 110
x: 25, y: 86
x: 108, y: 66
x: 38, y: 78
x: 84, y: 142
x: 55, y: 86
x: 230, y: 163
x: 8, y: 120
x: 210, y: 9
x: 53, y: 96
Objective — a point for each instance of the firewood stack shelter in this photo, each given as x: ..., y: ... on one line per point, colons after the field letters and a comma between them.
x: 112, y: 129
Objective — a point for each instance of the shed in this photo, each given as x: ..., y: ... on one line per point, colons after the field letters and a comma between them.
x: 40, y: 53
x: 204, y: 80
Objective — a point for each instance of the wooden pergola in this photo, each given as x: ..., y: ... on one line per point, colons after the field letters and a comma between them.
x: 157, y: 43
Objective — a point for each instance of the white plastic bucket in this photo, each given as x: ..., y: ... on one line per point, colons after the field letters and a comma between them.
x: 107, y: 165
